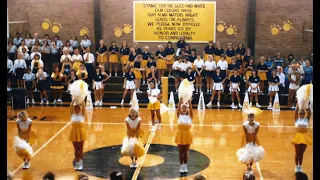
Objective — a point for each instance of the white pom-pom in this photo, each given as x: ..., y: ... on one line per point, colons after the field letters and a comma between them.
x: 305, y: 96
x: 79, y: 91
x: 20, y: 144
x: 163, y: 108
x: 185, y: 91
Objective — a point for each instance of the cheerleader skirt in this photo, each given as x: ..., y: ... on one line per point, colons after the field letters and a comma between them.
x: 201, y: 74
x: 144, y: 64
x: 137, y: 73
x: 161, y: 64
x: 131, y: 63
x: 98, y: 85
x: 250, y: 153
x: 102, y: 58
x: 19, y: 73
x: 248, y: 74
x: 130, y: 85
x: 132, y: 147
x: 42, y: 85
x: 9, y: 74
x: 179, y: 74
x: 113, y: 58
x: 217, y: 58
x: 22, y: 148
x: 170, y: 59
x: 57, y: 85
x: 155, y: 106
x: 206, y: 57
x: 77, y: 133
x: 76, y: 65
x: 228, y: 59
x: 209, y: 74
x: 29, y: 85
x: 273, y: 88
x: 302, y: 138
x: 254, y: 88
x: 262, y: 76
x: 217, y: 86
x: 124, y: 59
x: 183, y: 136
x: 148, y: 71
x: 233, y: 87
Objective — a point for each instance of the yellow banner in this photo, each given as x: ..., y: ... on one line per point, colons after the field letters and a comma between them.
x: 163, y: 21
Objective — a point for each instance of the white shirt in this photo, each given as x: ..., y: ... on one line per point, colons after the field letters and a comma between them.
x: 26, y: 57
x: 67, y: 48
x: 210, y: 66
x: 40, y: 77
x: 90, y: 59
x: 10, y: 65
x: 153, y: 92
x: 79, y: 118
x: 177, y: 65
x: 186, y: 65
x: 293, y: 85
x: 76, y: 58
x: 32, y: 64
x: 28, y: 42
x: 222, y: 64
x: 34, y: 53
x: 85, y: 43
x: 28, y: 77
x: 251, y: 129
x: 184, y: 119
x: 24, y: 125
x: 302, y: 123
x: 133, y: 124
x: 282, y: 78
x: 64, y: 56
x: 19, y: 64
x: 74, y: 43
x: 20, y: 48
x: 198, y: 63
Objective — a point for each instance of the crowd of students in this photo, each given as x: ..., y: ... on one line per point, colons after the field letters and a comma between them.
x: 213, y: 70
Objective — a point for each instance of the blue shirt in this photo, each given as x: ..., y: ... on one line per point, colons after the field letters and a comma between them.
x: 269, y: 63
x: 181, y: 44
x: 145, y: 55
x: 278, y: 62
x: 132, y: 57
x: 169, y: 51
x: 116, y: 49
x: 241, y: 51
x: 230, y: 52
x: 152, y: 63
x: 208, y: 50
x: 217, y: 78
x: 138, y: 51
x: 162, y: 53
x: 124, y: 51
x: 130, y: 77
x: 233, y: 66
x: 218, y: 52
x: 255, y: 79
x: 272, y: 79
x: 191, y: 76
x: 235, y: 79
x: 308, y: 73
x: 17, y: 41
x: 192, y: 58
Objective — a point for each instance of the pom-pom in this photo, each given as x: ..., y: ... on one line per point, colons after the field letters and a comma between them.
x: 250, y: 153
x: 79, y: 91
x: 253, y: 110
x: 163, y: 108
x: 185, y: 91
x: 132, y: 147
x: 22, y: 148
x: 305, y: 96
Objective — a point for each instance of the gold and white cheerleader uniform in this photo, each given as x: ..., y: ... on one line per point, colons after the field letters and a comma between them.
x: 161, y: 62
x: 77, y: 61
x: 113, y: 58
x: 24, y: 126
x: 133, y: 146
x: 217, y: 54
x: 208, y: 51
x: 253, y: 87
x: 251, y: 150
x: 77, y: 133
x: 136, y: 71
x: 145, y: 60
x: 154, y: 103
x: 302, y: 137
x: 184, y: 136
x: 125, y: 55
x: 102, y: 56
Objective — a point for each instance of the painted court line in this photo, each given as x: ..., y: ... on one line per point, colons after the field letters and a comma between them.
x: 137, y: 171
x: 259, y: 170
x: 163, y: 124
x: 44, y: 145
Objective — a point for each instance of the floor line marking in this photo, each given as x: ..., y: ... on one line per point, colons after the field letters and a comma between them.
x: 137, y: 171
x: 163, y: 124
x: 44, y: 145
x: 259, y: 170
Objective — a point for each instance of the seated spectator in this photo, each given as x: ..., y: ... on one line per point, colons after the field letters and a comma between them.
x: 116, y: 175
x: 83, y: 177
x: 308, y: 73
x: 278, y: 60
x: 282, y: 78
x: 199, y: 177
x: 291, y: 59
x: 48, y: 176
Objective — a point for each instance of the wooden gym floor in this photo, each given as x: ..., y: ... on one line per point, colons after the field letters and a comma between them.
x: 217, y: 136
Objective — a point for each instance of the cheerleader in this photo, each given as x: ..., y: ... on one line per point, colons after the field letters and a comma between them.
x: 210, y: 67
x: 253, y: 89
x: 252, y: 150
x: 128, y: 85
x: 161, y: 62
x: 301, y: 139
x: 199, y: 65
x: 132, y: 56
x: 150, y: 63
x: 124, y: 52
x: 154, y: 96
x: 137, y: 72
x: 217, y: 87
x: 42, y: 85
x: 241, y: 50
x: 187, y: 51
x: 247, y: 56
x: 218, y: 52
x: 233, y: 65
x: 103, y: 72
x: 97, y: 84
x: 262, y: 72
x: 19, y: 67
x: 113, y: 58
x: 102, y: 54
x: 183, y: 138
x: 153, y: 75
x: 132, y: 145
x: 136, y: 48
x: 57, y: 85
x: 180, y: 45
x: 230, y: 53
x: 24, y: 125
x: 82, y: 73
x: 248, y: 67
x: 178, y: 72
x: 66, y: 69
x: 77, y: 136
x: 170, y: 58
x: 193, y: 57
x: 28, y: 79
x: 208, y: 50
x: 235, y: 88
x: 274, y: 82
x: 10, y: 71
x: 145, y: 59
x: 76, y: 60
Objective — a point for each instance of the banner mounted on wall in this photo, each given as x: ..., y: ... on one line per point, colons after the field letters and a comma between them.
x: 163, y: 21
